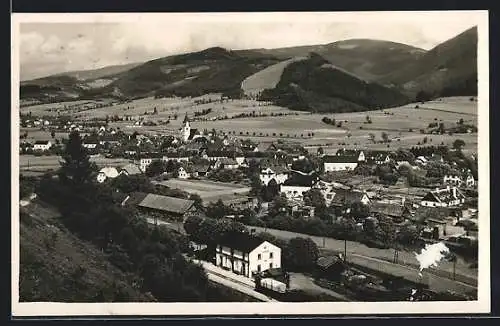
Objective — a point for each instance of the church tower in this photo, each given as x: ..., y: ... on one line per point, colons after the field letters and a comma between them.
x: 186, y: 130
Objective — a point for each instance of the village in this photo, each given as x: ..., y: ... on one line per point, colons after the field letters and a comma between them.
x: 387, y: 200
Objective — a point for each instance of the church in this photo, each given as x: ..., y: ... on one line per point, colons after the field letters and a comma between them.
x: 188, y: 133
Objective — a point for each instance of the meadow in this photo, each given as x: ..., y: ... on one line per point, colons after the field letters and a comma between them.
x: 402, y: 124
x: 209, y: 191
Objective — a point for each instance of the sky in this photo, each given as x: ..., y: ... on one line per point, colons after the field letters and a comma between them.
x: 49, y: 45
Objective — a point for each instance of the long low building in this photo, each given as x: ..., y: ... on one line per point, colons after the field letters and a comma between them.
x: 165, y: 206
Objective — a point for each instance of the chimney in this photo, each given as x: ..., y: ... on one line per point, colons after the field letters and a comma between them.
x: 403, y: 199
x: 455, y: 192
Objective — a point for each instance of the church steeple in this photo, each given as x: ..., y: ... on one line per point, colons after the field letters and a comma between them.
x: 186, y: 119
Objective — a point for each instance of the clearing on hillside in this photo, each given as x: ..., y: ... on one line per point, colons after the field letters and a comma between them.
x: 267, y: 78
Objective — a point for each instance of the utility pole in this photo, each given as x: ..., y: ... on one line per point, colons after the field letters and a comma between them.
x: 345, y: 250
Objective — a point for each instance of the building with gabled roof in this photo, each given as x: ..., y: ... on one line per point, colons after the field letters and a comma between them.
x: 339, y: 163
x: 246, y: 255
x: 445, y: 197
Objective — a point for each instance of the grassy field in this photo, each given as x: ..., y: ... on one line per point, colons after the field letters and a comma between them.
x: 34, y: 165
x: 266, y: 78
x: 209, y: 191
x: 403, y: 124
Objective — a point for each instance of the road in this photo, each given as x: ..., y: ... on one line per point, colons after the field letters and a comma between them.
x: 236, y: 282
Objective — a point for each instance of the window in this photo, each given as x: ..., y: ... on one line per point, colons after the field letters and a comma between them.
x: 271, y: 255
x: 270, y: 265
x: 259, y: 256
x: 258, y: 268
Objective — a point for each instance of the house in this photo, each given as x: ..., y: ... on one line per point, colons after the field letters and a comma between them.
x: 278, y: 173
x: 161, y: 206
x: 184, y: 172
x: 344, y: 197
x: 201, y: 170
x: 446, y: 197
x: 331, y: 267
x: 263, y: 147
x: 91, y: 145
x: 327, y: 189
x: 459, y: 179
x: 380, y: 157
x: 42, y: 145
x: 447, y: 215
x: 145, y: 162
x: 339, y: 163
x: 107, y: 173
x: 226, y: 163
x: 246, y: 255
x: 397, y: 212
x: 130, y: 169
x: 298, y: 184
x: 360, y: 155
x: 175, y: 156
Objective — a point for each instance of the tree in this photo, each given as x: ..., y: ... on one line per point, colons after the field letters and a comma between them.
x: 198, y: 202
x: 458, y: 144
x: 217, y: 210
x: 192, y: 225
x: 320, y: 151
x: 385, y: 137
x: 314, y: 198
x: 76, y: 167
x: 300, y: 255
x: 156, y: 168
x: 372, y: 137
x: 270, y: 191
x: 53, y: 134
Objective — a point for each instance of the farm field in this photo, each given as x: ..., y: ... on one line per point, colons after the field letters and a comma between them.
x: 402, y: 124
x: 209, y: 191
x: 31, y: 164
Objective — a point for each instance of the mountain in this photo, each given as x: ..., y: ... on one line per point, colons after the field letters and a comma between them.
x: 214, y: 70
x: 314, y: 84
x: 368, y: 59
x: 100, y: 72
x: 449, y: 69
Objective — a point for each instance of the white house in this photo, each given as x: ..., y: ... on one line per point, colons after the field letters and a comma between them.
x: 279, y: 175
x: 360, y: 155
x: 459, y: 180
x: 328, y: 189
x: 246, y: 255
x: 90, y: 145
x: 144, y: 163
x: 182, y: 173
x: 339, y: 163
x: 175, y: 157
x: 107, y: 172
x: 446, y: 197
x: 42, y: 145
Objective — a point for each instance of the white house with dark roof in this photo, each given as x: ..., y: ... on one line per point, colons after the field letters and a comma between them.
x: 278, y: 173
x: 459, y: 179
x: 359, y: 154
x: 107, y: 173
x: 246, y: 255
x: 445, y: 197
x: 298, y: 184
x: 42, y: 145
x: 339, y: 163
x: 347, y: 197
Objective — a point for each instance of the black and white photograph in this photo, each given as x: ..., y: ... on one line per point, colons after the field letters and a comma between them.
x: 290, y: 163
